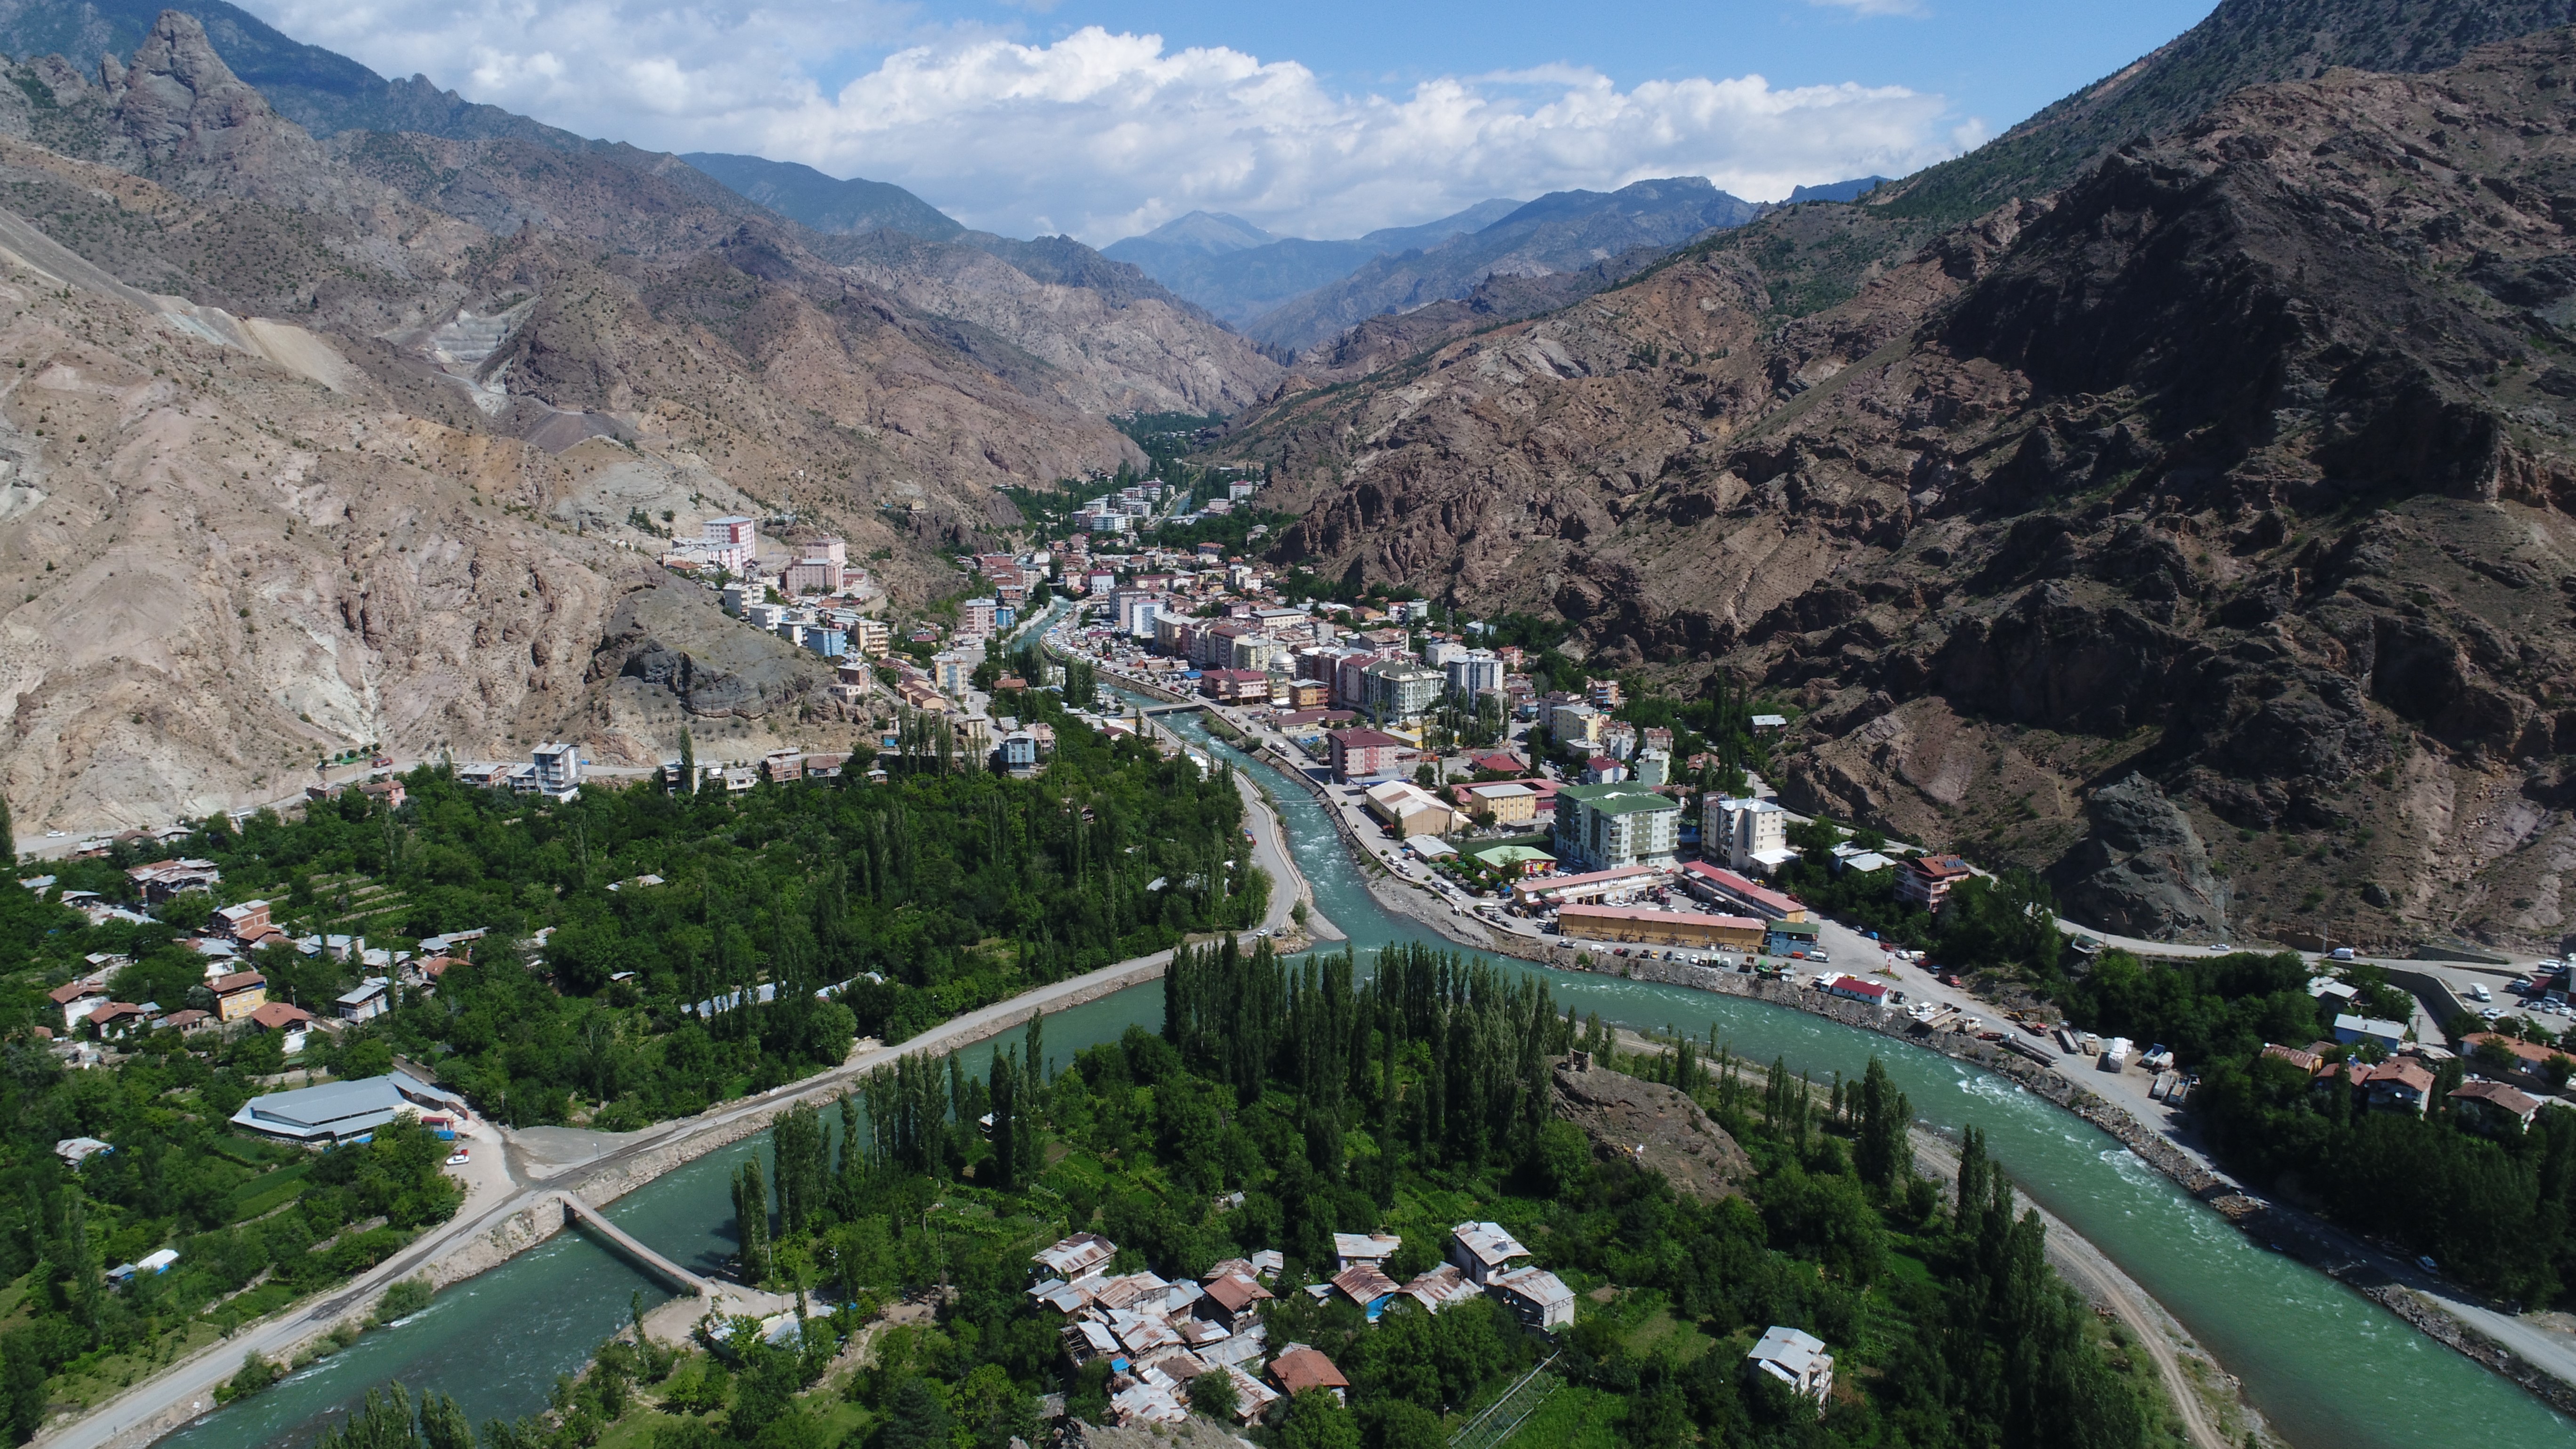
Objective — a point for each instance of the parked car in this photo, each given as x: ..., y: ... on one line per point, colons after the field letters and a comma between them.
x: 2478, y: 992
x: 460, y: 1157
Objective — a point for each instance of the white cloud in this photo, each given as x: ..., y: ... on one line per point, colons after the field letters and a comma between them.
x: 1875, y: 7
x: 1102, y: 134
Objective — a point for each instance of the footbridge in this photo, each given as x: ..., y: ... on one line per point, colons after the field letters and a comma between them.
x: 582, y: 1213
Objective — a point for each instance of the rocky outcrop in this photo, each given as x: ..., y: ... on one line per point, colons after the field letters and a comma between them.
x: 2142, y: 871
x: 673, y: 638
x: 1652, y: 1126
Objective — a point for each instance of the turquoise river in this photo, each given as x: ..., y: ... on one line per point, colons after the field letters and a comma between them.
x: 2324, y: 1366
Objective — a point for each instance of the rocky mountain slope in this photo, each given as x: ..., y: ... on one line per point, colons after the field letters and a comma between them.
x: 320, y: 90
x: 2200, y: 534
x: 321, y: 443
x: 1563, y: 231
x: 2241, y: 43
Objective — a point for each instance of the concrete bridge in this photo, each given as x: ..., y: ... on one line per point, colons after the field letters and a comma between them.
x: 1191, y: 707
x: 583, y: 1214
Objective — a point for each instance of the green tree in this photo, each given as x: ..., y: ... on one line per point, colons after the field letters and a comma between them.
x: 1564, y: 1155
x: 1213, y: 1394
x: 442, y: 1424
x: 1883, y: 1145
x: 917, y: 1416
x: 1317, y: 1420
x: 383, y: 1421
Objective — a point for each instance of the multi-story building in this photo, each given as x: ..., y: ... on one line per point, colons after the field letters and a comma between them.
x: 1359, y: 754
x: 871, y: 638
x: 1746, y: 834
x: 975, y: 616
x: 1253, y: 651
x: 1604, y: 693
x: 1576, y: 724
x: 558, y: 769
x: 819, y: 566
x: 1612, y: 827
x: 1349, y: 677
x: 1472, y: 671
x: 730, y: 543
x: 1926, y: 879
x: 1392, y: 689
x: 952, y: 672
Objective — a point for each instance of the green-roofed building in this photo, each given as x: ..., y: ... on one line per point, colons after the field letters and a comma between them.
x: 1515, y: 860
x: 1613, y: 827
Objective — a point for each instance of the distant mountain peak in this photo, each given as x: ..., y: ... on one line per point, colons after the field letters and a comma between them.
x: 1212, y: 232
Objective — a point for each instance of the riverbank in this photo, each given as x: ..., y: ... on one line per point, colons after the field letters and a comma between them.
x: 2533, y: 1359
x: 465, y: 1247
x: 2298, y: 1234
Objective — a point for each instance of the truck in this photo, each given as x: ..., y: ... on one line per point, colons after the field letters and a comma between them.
x: 2115, y: 1054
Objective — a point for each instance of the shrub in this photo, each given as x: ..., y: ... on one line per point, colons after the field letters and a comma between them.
x: 403, y: 1299
x: 257, y: 1372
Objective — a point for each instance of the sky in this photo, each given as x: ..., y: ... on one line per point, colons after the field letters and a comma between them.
x: 1324, y: 118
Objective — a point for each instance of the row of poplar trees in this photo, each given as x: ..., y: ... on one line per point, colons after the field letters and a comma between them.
x: 1475, y: 1095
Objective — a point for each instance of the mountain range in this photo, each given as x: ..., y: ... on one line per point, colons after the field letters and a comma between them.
x: 2173, y: 497
x: 1238, y: 271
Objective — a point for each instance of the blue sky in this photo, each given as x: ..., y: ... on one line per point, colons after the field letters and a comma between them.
x: 1999, y: 59
x: 1102, y: 118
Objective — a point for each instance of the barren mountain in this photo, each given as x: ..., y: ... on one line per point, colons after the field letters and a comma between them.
x: 2234, y: 476
x: 1563, y: 231
x: 369, y: 440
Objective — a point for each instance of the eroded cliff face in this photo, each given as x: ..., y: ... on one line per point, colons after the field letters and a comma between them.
x: 2238, y: 468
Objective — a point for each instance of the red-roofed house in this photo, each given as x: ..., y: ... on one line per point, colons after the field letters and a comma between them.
x: 238, y: 995
x: 1856, y: 988
x: 1926, y: 879
x: 2495, y: 1107
x: 288, y: 1021
x: 2307, y: 1062
x: 117, y: 1019
x: 2530, y: 1058
x: 2402, y: 1085
x: 234, y: 922
x: 1302, y: 1368
x: 78, y: 999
